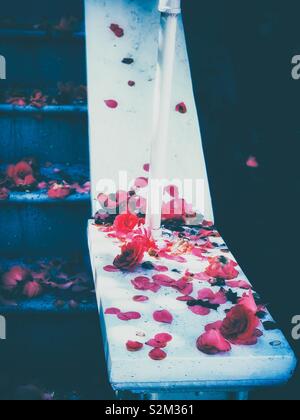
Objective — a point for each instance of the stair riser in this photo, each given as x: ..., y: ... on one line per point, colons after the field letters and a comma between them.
x: 41, y: 63
x: 55, y: 138
x: 39, y: 230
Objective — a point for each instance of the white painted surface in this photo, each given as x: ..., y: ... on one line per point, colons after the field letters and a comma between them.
x: 185, y: 367
x: 120, y: 138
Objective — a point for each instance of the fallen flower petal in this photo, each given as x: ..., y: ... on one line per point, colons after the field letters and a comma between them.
x: 163, y: 316
x: 156, y: 344
x: 134, y: 346
x: 111, y: 103
x: 128, y: 316
x: 238, y: 284
x: 157, y: 354
x: 141, y: 182
x: 117, y: 30
x: 199, y: 310
x: 214, y: 326
x: 112, y: 311
x: 181, y: 108
x: 160, y: 268
x: 163, y: 337
x: 111, y: 269
x: 140, y: 298
x: 4, y: 194
x: 32, y: 289
x: 212, y: 343
x: 252, y: 162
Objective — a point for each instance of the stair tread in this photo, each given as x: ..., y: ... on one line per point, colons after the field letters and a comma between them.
x: 49, y: 109
x: 32, y: 33
x: 54, y: 172
x: 46, y: 303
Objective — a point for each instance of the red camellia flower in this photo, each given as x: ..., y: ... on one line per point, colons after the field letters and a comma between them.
x: 21, y: 174
x: 240, y: 326
x: 212, y: 343
x: 132, y: 255
x: 32, y: 289
x: 125, y: 223
x: 223, y: 268
x: 4, y: 193
x: 59, y: 191
x: 15, y: 276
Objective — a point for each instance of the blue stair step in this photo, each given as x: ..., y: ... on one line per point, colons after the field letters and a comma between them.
x: 32, y: 224
x: 55, y: 134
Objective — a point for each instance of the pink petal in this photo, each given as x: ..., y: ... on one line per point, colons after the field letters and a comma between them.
x: 128, y: 316
x: 146, y: 167
x: 214, y: 326
x: 199, y: 310
x: 176, y: 258
x: 160, y: 268
x: 252, y: 162
x: 172, y: 190
x: 185, y: 298
x: 111, y: 103
x: 206, y: 294
x: 197, y: 252
x: 239, y: 284
x: 140, y: 298
x: 134, y: 346
x: 201, y: 277
x: 112, y: 311
x: 141, y: 182
x: 156, y: 344
x: 163, y: 337
x: 111, y: 269
x: 141, y: 283
x: 163, y: 316
x: 157, y: 354
x: 163, y: 280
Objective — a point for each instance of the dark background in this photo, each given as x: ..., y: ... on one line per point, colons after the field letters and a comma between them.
x: 249, y: 104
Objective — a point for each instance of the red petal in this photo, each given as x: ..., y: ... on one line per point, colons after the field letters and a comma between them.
x: 185, y: 298
x: 172, y: 190
x: 147, y: 167
x: 163, y: 337
x: 111, y: 103
x: 111, y: 269
x: 163, y: 280
x: 157, y: 354
x: 199, y: 310
x: 161, y: 268
x: 201, y: 277
x: 156, y: 344
x: 141, y: 182
x: 140, y: 298
x: 134, y: 346
x: 239, y: 284
x: 163, y: 316
x: 214, y: 326
x: 112, y: 311
x: 128, y: 316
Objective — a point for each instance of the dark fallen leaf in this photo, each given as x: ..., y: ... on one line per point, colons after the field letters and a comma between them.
x: 232, y: 297
x: 203, y: 303
x: 147, y: 265
x: 128, y: 61
x: 270, y: 326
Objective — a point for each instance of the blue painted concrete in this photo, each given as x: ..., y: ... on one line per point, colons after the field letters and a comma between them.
x: 57, y: 134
